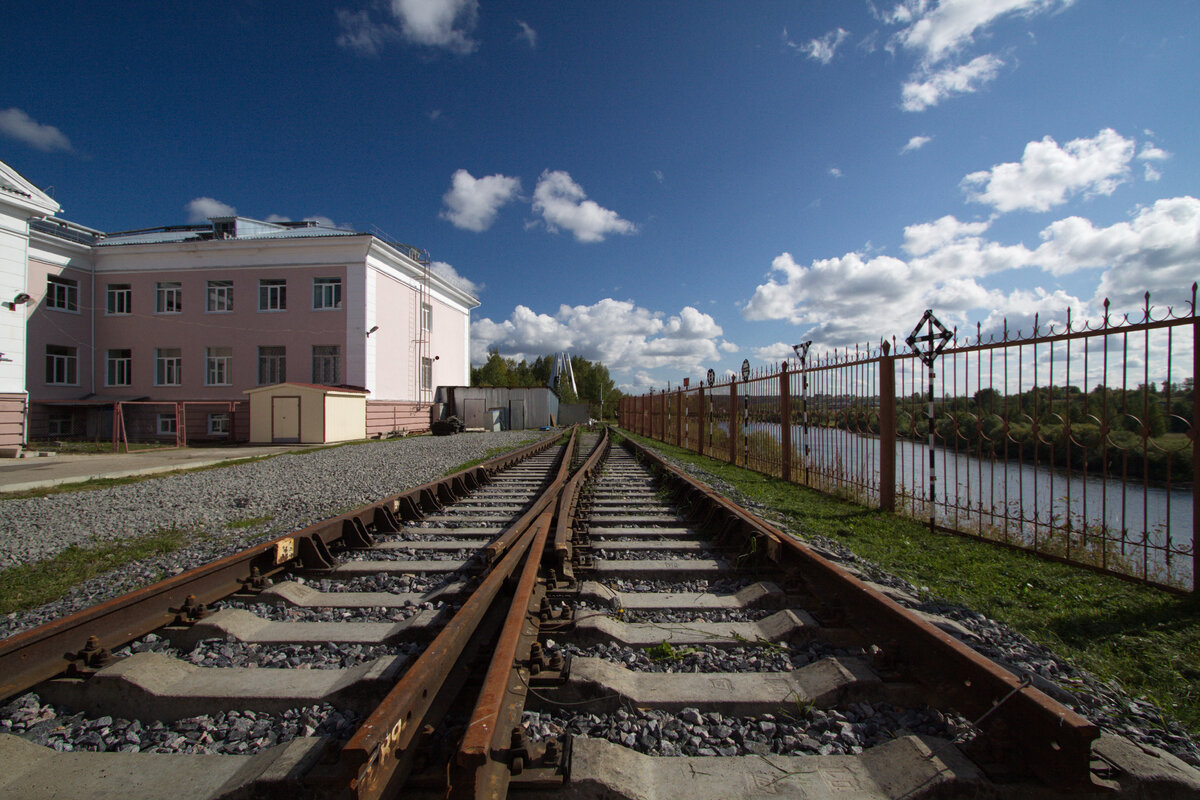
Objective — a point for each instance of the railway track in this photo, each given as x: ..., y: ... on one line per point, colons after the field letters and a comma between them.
x: 574, y: 620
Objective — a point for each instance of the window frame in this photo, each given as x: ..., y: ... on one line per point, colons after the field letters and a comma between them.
x: 120, y: 364
x: 218, y: 366
x: 118, y: 300
x: 426, y: 374
x: 327, y: 289
x: 427, y: 317
x: 272, y: 294
x: 321, y: 364
x: 166, y: 365
x: 66, y: 363
x: 168, y: 297
x: 221, y: 417
x: 167, y: 430
x: 62, y: 294
x: 275, y: 363
x: 218, y: 297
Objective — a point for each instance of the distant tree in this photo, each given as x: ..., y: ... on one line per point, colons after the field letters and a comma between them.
x: 494, y: 371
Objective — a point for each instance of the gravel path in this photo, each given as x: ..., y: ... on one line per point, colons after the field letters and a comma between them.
x: 288, y: 491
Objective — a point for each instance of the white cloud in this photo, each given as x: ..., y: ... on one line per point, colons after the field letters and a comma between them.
x: 1152, y: 153
x: 562, y: 203
x: 472, y: 203
x: 200, y: 209
x: 939, y: 29
x: 916, y: 143
x: 658, y: 175
x: 925, y: 237
x: 320, y: 219
x: 825, y: 48
x: 445, y: 24
x: 927, y: 90
x: 778, y: 351
x: 1150, y: 173
x: 624, y: 337
x: 451, y: 276
x: 728, y: 347
x: 857, y: 298
x: 835, y: 172
x: 528, y: 34
x: 1048, y: 175
x: 16, y: 124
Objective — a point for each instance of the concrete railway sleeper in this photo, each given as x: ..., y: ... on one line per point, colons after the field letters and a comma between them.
x: 580, y: 621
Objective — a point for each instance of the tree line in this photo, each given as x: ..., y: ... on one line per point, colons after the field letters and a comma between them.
x: 593, y: 384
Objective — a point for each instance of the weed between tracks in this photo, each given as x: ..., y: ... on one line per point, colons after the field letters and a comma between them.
x: 1146, y: 639
x: 31, y: 585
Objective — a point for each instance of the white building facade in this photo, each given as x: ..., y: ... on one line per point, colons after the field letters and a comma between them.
x: 195, y: 315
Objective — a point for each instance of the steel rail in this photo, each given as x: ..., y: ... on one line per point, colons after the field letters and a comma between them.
x: 376, y: 760
x: 81, y: 641
x: 491, y: 751
x: 1028, y: 730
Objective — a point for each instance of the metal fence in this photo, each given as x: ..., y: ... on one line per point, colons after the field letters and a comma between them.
x: 1077, y: 443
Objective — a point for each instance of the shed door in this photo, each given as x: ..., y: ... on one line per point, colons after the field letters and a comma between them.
x: 473, y: 413
x: 516, y: 415
x: 285, y: 419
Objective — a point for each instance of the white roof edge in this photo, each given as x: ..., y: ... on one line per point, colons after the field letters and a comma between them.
x: 395, y: 257
x: 37, y: 203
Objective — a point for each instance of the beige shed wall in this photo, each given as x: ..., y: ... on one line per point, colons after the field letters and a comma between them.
x: 325, y: 415
x: 345, y: 417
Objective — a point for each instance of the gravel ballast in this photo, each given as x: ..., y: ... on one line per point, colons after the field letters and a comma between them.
x: 290, y: 491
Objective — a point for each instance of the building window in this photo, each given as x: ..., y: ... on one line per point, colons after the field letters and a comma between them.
x: 119, y: 370
x: 426, y: 374
x: 60, y: 365
x: 272, y: 365
x: 167, y: 425
x: 120, y: 299
x: 220, y: 296
x: 168, y: 366
x: 168, y: 297
x: 218, y: 363
x: 326, y: 363
x: 62, y: 293
x: 327, y: 292
x: 218, y: 424
x: 60, y: 423
x: 272, y: 294
x: 426, y: 317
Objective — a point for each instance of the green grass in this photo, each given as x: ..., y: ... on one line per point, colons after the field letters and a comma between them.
x: 30, y: 585
x: 249, y: 522
x: 1146, y: 639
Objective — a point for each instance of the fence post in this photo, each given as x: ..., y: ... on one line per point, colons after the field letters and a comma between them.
x: 733, y: 421
x: 887, y: 429
x: 701, y: 423
x: 1195, y: 447
x: 785, y: 423
x: 679, y: 419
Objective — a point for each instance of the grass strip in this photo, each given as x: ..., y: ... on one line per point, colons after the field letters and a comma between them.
x: 492, y: 452
x: 1146, y: 639
x: 31, y: 585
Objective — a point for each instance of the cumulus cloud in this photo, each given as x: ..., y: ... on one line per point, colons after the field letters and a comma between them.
x: 443, y: 24
x: 778, y: 351
x: 916, y: 143
x: 320, y: 219
x: 202, y: 208
x: 1048, y: 175
x: 623, y: 336
x: 936, y: 30
x: 835, y: 172
x: 472, y: 203
x: 527, y: 34
x: 562, y: 203
x: 16, y: 124
x: 929, y: 89
x: 824, y: 48
x: 451, y: 276
x: 856, y: 298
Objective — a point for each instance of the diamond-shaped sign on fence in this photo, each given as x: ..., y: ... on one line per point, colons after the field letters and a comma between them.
x: 937, y: 337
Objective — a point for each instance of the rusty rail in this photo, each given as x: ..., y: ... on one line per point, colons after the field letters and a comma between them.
x: 80, y: 641
x: 375, y: 762
x: 1028, y: 729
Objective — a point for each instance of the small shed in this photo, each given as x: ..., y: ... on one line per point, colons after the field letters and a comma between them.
x: 516, y: 407
x: 307, y: 413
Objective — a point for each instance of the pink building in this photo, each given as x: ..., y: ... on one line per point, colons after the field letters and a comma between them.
x: 189, y: 317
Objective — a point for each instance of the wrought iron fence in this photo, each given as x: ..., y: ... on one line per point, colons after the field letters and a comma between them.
x: 1077, y: 442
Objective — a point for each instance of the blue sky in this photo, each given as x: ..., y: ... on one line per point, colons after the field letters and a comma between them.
x: 665, y: 187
